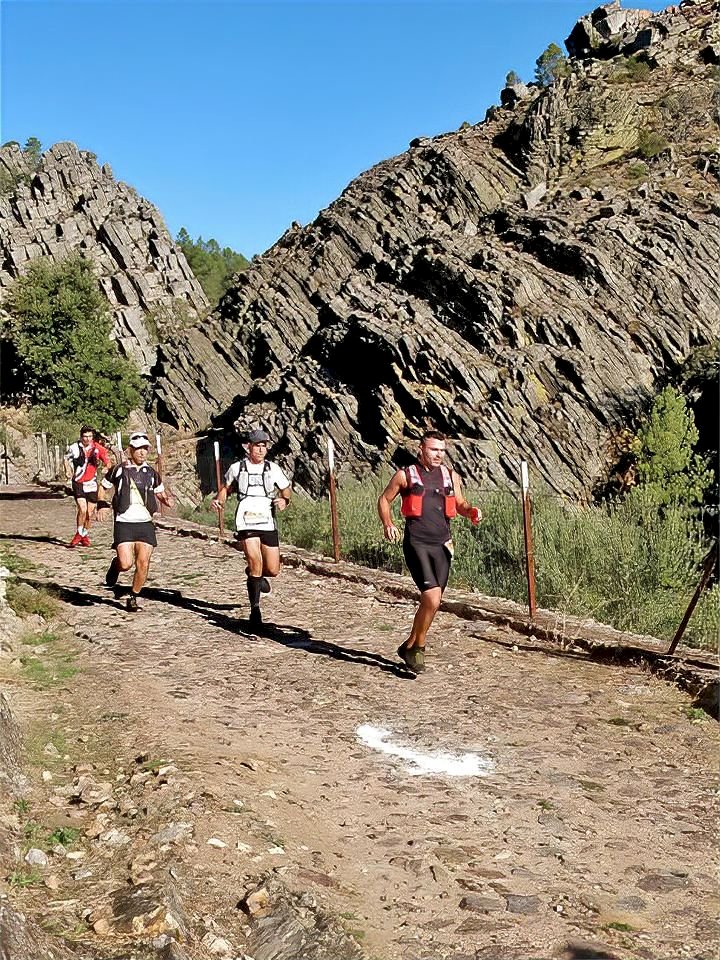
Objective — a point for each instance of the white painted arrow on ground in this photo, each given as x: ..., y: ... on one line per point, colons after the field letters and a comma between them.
x: 417, y: 762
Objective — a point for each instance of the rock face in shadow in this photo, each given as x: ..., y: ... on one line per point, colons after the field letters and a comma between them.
x: 524, y: 284
x: 69, y: 204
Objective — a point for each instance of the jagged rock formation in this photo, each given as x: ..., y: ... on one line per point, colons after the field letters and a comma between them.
x: 72, y: 205
x: 523, y: 284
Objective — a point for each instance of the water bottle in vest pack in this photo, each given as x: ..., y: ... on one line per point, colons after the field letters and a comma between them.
x: 412, y: 498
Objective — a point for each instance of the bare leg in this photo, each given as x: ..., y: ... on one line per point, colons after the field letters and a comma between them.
x: 143, y: 552
x: 270, y: 561
x: 253, y: 550
x: 81, y: 512
x: 125, y: 556
x: 429, y: 606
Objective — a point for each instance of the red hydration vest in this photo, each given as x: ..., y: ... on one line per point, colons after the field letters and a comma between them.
x: 412, y: 497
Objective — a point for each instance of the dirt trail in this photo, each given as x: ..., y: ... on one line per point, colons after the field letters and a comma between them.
x: 594, y: 823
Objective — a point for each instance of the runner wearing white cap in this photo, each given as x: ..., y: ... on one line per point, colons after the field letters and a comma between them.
x: 138, y: 487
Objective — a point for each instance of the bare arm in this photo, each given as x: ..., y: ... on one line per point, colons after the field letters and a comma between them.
x: 283, y: 500
x: 222, y: 495
x: 384, y: 505
x: 464, y: 507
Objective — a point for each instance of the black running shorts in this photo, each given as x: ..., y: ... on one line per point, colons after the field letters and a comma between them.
x: 124, y: 532
x: 268, y: 538
x: 80, y: 494
x: 429, y: 564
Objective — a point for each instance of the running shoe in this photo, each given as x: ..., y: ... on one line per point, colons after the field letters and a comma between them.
x: 255, y: 618
x: 412, y: 657
x: 132, y: 604
x: 85, y: 542
x: 76, y: 541
x: 111, y: 577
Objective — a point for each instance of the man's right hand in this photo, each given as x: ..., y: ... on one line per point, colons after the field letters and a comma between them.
x: 392, y: 533
x: 217, y: 505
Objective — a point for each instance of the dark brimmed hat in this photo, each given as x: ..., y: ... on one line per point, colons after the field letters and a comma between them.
x: 258, y: 436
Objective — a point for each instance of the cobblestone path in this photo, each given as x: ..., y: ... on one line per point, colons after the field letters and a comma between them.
x: 594, y: 823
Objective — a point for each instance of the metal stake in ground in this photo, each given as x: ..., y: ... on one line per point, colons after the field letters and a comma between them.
x: 333, y: 501
x: 708, y: 567
x: 160, y: 467
x: 218, y: 481
x: 527, y: 531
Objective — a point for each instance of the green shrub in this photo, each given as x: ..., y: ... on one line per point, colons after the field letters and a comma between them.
x: 26, y: 601
x: 633, y: 70
x: 638, y: 171
x: 650, y: 143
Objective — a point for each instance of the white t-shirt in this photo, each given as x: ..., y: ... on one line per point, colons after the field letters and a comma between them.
x: 254, y: 510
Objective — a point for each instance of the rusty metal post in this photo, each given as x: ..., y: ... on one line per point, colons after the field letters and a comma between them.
x: 708, y: 567
x: 527, y: 532
x: 160, y: 466
x: 333, y: 501
x: 218, y: 480
x: 6, y: 455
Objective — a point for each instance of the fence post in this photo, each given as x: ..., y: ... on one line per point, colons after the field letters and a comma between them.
x: 708, y: 567
x: 45, y: 454
x: 527, y: 532
x: 57, y: 460
x: 160, y: 468
x: 333, y: 501
x: 6, y: 457
x: 218, y: 481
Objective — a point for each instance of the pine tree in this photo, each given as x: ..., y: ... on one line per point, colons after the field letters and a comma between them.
x: 551, y: 65
x: 60, y: 326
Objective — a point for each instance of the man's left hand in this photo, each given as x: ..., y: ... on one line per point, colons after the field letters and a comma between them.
x: 475, y: 516
x: 280, y: 503
x: 101, y: 512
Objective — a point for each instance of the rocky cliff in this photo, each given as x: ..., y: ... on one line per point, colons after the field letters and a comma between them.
x: 523, y: 284
x: 69, y: 204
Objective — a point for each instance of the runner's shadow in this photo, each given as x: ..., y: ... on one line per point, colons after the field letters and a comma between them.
x: 177, y: 599
x: 37, y: 538
x: 299, y: 639
x: 292, y: 637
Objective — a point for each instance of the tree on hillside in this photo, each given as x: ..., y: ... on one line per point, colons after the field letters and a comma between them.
x: 512, y: 79
x: 551, y: 65
x: 33, y: 151
x: 667, y: 466
x: 59, y: 325
x: 212, y: 265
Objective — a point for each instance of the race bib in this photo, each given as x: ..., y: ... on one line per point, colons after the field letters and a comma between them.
x: 256, y: 511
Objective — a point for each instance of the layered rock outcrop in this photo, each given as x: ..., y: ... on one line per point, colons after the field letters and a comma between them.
x: 523, y: 284
x: 69, y: 204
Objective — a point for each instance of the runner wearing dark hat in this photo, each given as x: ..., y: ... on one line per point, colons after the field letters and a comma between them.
x: 138, y: 487
x: 431, y: 495
x: 262, y: 489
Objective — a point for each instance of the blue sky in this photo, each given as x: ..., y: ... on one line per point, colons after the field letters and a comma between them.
x: 236, y: 118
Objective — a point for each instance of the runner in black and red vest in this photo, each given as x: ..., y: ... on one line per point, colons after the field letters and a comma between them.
x: 431, y: 496
x: 81, y: 464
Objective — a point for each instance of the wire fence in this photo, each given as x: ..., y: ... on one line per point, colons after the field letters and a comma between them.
x: 628, y: 562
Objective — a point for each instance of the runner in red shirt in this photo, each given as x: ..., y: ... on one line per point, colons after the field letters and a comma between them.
x: 81, y: 463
